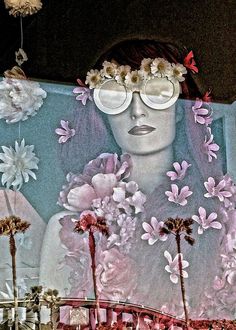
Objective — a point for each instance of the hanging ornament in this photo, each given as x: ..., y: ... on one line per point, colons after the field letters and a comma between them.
x: 23, y: 7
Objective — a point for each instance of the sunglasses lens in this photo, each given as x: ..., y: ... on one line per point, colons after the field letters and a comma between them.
x: 111, y: 97
x: 159, y: 90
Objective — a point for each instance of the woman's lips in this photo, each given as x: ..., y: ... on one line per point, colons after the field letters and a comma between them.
x: 141, y: 130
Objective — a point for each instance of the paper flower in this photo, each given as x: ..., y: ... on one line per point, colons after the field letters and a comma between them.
x: 108, y: 70
x: 17, y: 165
x: 177, y: 71
x: 83, y: 91
x: 153, y: 231
x: 180, y: 171
x: 21, y: 56
x: 145, y: 67
x: 65, y: 132
x: 23, y: 7
x: 190, y: 63
x: 176, y: 197
x: 209, y: 147
x: 121, y: 73
x: 202, y: 116
x: 173, y: 267
x: 160, y: 67
x: 206, y: 222
x: 214, y: 190
x: 93, y: 78
x: 134, y: 80
x: 19, y: 99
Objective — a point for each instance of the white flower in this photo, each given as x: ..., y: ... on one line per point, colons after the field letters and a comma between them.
x: 134, y: 80
x: 17, y: 165
x: 121, y: 73
x: 145, y: 67
x: 93, y: 78
x: 173, y: 267
x: 160, y: 67
x: 23, y: 7
x: 21, y: 56
x: 206, y: 222
x: 109, y: 69
x: 153, y: 231
x: 177, y: 72
x: 19, y: 99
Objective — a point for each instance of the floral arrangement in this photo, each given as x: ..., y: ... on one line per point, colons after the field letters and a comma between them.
x: 20, y: 98
x: 17, y: 165
x: 23, y: 7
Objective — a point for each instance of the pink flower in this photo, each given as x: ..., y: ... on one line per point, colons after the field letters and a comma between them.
x: 204, y: 222
x: 81, y: 198
x: 176, y: 197
x: 173, y: 267
x: 180, y: 171
x: 216, y: 191
x: 201, y: 115
x: 65, y: 132
x: 83, y: 91
x: 209, y: 147
x: 113, y: 270
x: 153, y: 231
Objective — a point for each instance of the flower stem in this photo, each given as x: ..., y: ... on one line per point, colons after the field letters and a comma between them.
x: 177, y: 238
x: 15, y: 293
x: 92, y: 248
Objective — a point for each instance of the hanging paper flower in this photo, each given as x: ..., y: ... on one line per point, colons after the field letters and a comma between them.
x: 17, y: 165
x: 180, y: 171
x: 153, y: 233
x: 21, y: 56
x: 83, y: 91
x: 23, y: 7
x: 176, y: 197
x: 173, y: 267
x: 214, y: 190
x: 65, y: 132
x: 206, y: 222
x: 209, y: 147
x: 19, y: 99
x: 202, y: 115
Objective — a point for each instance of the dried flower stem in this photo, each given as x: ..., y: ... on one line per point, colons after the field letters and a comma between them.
x: 15, y: 291
x: 178, y: 240
x: 92, y: 249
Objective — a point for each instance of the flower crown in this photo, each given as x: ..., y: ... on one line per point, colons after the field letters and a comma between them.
x: 149, y: 69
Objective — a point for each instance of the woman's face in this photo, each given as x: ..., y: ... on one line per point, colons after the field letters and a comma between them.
x: 142, y: 130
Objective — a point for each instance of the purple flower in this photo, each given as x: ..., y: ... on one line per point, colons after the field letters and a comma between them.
x: 201, y: 115
x: 83, y: 91
x: 65, y: 132
x: 209, y: 147
x: 216, y: 191
x: 153, y: 231
x: 173, y: 267
x: 180, y: 171
x: 176, y: 197
x: 204, y: 222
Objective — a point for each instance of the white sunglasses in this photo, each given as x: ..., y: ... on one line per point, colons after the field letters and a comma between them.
x: 157, y: 93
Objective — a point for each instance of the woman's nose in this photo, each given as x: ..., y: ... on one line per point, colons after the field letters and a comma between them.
x: 137, y: 107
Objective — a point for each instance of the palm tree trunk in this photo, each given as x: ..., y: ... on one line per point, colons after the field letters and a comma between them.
x: 177, y: 237
x: 92, y: 248
x: 14, y: 281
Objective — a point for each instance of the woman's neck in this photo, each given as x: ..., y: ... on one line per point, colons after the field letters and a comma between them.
x: 149, y: 170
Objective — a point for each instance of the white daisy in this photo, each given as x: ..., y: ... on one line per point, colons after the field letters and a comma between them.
x: 121, y: 73
x: 93, y: 78
x: 145, y: 67
x: 177, y: 71
x: 134, y: 80
x: 160, y: 67
x: 109, y: 69
x: 17, y: 165
x: 19, y: 99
